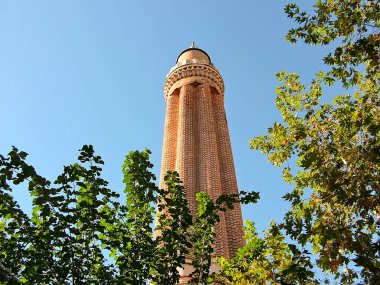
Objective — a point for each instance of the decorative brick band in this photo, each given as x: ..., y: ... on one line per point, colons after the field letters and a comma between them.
x: 193, y: 70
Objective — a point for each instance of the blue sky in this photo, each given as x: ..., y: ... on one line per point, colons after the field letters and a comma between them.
x: 92, y: 72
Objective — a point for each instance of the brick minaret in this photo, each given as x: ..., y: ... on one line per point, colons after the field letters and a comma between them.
x: 197, y: 143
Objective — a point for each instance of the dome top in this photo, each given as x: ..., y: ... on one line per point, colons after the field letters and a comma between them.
x: 194, y: 53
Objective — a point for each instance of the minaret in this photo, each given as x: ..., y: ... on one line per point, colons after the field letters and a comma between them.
x: 197, y: 143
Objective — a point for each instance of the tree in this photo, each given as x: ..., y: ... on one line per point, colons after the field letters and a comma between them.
x: 336, y: 196
x: 61, y: 242
x: 266, y: 260
x: 80, y: 234
x: 354, y: 25
x: 202, y: 232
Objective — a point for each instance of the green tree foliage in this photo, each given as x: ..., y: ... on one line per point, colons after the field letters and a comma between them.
x: 266, y: 260
x: 353, y: 25
x: 80, y: 234
x: 335, y: 202
x: 202, y: 232
x: 174, y: 220
x: 61, y: 242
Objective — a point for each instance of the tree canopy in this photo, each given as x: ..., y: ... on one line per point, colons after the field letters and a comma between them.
x: 79, y: 232
x: 335, y: 200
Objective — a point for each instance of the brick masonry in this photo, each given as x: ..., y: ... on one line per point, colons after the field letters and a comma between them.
x: 197, y: 143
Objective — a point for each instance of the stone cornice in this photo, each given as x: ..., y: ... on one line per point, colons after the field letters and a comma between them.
x: 193, y: 70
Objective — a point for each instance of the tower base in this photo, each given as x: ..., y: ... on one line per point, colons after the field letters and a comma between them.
x: 188, y: 269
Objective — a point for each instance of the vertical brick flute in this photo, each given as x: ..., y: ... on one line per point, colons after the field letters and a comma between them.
x: 197, y: 143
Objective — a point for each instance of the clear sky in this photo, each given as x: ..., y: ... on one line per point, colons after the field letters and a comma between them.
x: 92, y: 72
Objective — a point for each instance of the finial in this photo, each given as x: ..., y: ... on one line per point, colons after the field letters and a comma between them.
x: 193, y: 45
